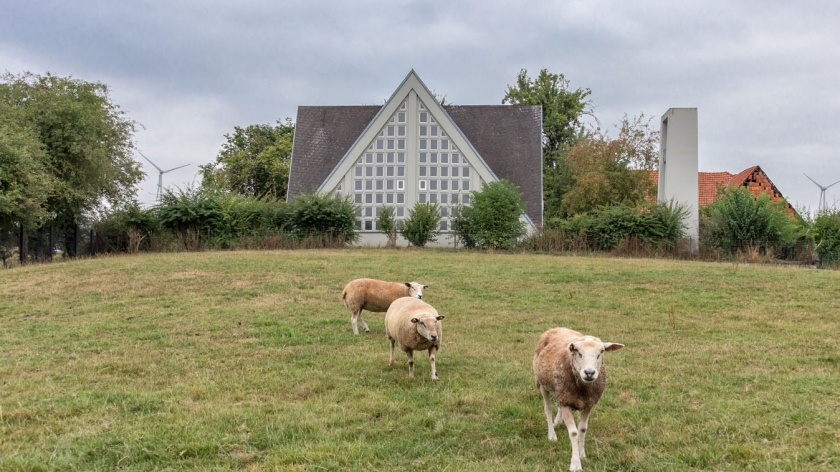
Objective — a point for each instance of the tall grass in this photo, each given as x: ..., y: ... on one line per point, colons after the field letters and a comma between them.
x: 246, y: 361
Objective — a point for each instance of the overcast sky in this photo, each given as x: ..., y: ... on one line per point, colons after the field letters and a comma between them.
x: 764, y: 75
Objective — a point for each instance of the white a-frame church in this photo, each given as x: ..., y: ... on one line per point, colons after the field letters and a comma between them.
x: 413, y: 149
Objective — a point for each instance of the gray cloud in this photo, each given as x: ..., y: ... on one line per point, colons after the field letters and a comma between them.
x: 763, y: 75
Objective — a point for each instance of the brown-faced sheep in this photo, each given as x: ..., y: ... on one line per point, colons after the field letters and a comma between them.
x: 571, y: 367
x: 375, y: 295
x: 416, y: 326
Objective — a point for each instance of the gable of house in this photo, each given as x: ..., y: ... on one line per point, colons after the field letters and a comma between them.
x: 412, y: 149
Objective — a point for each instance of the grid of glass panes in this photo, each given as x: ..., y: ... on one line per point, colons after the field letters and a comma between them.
x: 378, y: 175
x: 443, y: 174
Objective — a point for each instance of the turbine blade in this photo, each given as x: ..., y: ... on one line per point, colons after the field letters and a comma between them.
x: 174, y: 168
x: 835, y: 183
x: 150, y: 161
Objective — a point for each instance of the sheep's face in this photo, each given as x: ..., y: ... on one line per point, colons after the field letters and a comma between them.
x: 588, y: 357
x: 427, y: 326
x: 415, y: 289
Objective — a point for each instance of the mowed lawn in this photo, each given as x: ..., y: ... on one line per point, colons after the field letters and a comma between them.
x: 247, y: 361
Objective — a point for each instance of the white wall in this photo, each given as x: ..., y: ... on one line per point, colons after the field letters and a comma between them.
x: 678, y: 165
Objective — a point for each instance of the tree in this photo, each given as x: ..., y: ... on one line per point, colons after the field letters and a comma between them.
x: 562, y: 111
x: 607, y: 171
x: 493, y: 219
x: 86, y: 143
x: 254, y: 161
x: 25, y: 183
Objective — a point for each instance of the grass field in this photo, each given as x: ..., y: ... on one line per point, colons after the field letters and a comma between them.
x: 247, y: 361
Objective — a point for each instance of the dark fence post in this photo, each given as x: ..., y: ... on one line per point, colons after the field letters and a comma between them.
x: 75, y: 240
x: 51, y: 243
x: 92, y: 245
x: 21, y: 246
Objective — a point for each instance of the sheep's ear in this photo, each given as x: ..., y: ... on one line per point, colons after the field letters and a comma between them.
x: 425, y: 286
x: 440, y: 317
x: 414, y: 320
x: 612, y: 346
x: 408, y: 284
x: 572, y: 347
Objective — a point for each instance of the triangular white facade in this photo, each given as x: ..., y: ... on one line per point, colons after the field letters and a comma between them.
x: 410, y: 152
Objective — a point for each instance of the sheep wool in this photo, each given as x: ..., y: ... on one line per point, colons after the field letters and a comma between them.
x: 376, y: 296
x: 570, y: 367
x: 416, y: 326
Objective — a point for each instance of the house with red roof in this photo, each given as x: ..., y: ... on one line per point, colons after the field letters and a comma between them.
x: 753, y: 178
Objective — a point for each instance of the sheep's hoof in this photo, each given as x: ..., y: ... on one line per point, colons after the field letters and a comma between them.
x: 435, y: 378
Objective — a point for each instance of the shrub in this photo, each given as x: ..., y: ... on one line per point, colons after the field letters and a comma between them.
x: 493, y: 219
x: 323, y: 214
x: 606, y: 227
x: 188, y: 210
x: 739, y: 221
x: 826, y: 231
x: 388, y: 225
x: 421, y: 225
x: 126, y: 229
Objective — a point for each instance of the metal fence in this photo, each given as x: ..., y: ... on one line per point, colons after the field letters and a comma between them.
x: 42, y: 244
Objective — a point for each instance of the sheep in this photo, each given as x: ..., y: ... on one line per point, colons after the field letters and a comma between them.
x: 375, y: 295
x: 571, y: 366
x: 416, y: 326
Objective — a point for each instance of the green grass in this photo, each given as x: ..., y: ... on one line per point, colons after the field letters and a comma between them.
x: 247, y: 361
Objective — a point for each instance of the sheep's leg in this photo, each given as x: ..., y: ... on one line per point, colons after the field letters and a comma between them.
x: 391, y: 362
x: 432, y: 351
x: 364, y: 325
x: 569, y: 419
x: 410, y: 355
x: 546, y: 395
x: 583, y: 425
x: 355, y: 318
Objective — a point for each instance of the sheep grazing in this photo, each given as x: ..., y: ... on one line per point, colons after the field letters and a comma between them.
x: 571, y: 366
x: 375, y: 295
x: 416, y: 326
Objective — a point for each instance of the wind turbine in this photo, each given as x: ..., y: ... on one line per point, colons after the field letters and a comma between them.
x: 821, y: 206
x: 160, y: 176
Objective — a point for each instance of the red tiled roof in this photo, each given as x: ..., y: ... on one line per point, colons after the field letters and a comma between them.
x: 753, y: 178
x: 709, y: 183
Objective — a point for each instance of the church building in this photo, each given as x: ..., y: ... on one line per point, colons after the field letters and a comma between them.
x: 413, y: 149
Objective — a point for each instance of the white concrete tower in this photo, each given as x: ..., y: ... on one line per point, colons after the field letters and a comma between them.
x: 678, y: 166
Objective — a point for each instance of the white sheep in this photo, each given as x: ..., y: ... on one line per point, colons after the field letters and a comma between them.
x: 571, y: 366
x: 375, y: 295
x: 416, y: 326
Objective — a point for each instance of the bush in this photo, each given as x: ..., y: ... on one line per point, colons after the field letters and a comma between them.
x: 657, y: 226
x: 421, y: 225
x: 493, y: 219
x: 826, y: 232
x: 126, y: 229
x: 740, y: 221
x: 388, y: 225
x: 323, y: 214
x: 203, y: 218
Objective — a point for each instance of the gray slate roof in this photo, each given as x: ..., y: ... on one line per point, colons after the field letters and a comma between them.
x: 508, y: 138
